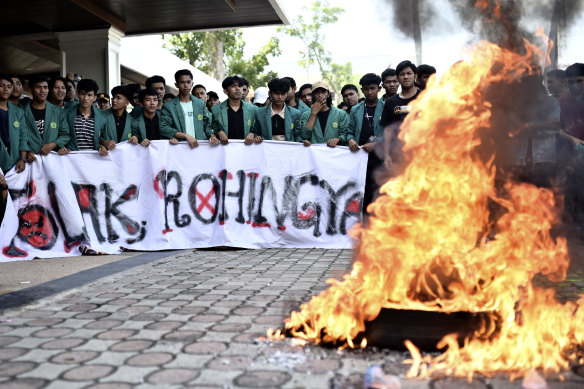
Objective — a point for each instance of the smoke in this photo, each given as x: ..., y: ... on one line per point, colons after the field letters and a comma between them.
x: 544, y: 9
x: 403, y: 11
x: 499, y: 21
x: 506, y: 23
x: 494, y: 21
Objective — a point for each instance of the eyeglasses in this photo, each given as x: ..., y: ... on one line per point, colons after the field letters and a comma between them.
x: 577, y: 81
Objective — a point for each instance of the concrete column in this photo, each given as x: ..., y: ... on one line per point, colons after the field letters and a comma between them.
x: 93, y: 54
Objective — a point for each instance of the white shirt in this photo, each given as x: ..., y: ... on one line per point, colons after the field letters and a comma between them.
x: 281, y: 113
x: 189, y: 116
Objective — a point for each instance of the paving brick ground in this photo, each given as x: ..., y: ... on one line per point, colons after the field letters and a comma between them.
x: 193, y: 320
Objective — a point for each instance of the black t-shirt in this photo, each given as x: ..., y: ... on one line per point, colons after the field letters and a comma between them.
x: 120, y: 124
x: 152, y: 128
x: 39, y: 118
x: 322, y: 119
x: 4, y: 129
x: 278, y: 125
x: 235, y: 122
x: 367, y: 131
x: 395, y: 109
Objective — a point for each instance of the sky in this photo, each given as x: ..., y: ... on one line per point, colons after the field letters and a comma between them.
x: 365, y: 36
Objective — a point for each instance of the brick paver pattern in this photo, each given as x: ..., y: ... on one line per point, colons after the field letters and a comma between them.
x: 192, y: 320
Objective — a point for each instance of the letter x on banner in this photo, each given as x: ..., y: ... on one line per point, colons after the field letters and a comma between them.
x: 273, y: 194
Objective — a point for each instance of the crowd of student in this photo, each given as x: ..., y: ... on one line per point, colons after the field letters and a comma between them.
x: 62, y: 117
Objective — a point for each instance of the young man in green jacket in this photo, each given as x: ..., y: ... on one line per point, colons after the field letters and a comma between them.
x: 86, y: 123
x: 184, y: 116
x: 365, y: 130
x: 292, y: 100
x: 200, y: 92
x: 365, y: 127
x: 47, y: 129
x: 323, y: 123
x: 118, y: 121
x: 13, y: 130
x: 234, y: 117
x: 17, y: 87
x: 146, y: 127
x: 276, y: 121
x: 158, y: 83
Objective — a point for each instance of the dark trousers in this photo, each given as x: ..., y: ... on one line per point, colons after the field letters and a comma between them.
x: 371, y: 185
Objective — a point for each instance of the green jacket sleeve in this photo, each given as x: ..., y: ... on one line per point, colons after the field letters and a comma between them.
x: 351, y: 128
x: 72, y: 144
x: 343, y: 127
x: 256, y: 128
x: 209, y: 115
x: 23, y: 135
x: 63, y: 136
x: 216, y: 125
x: 107, y: 131
x: 305, y: 133
x: 110, y: 132
x: 206, y: 123
x: 167, y: 129
x: 296, y: 131
x: 136, y: 131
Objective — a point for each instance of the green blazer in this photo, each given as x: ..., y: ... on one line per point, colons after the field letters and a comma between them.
x: 99, y: 129
x: 139, y: 127
x: 337, y: 126
x: 356, y: 121
x: 220, y: 117
x: 110, y: 125
x: 70, y: 103
x: 301, y: 107
x: 55, y: 130
x: 18, y: 132
x: 210, y: 116
x: 136, y: 111
x: 263, y: 123
x: 172, y: 119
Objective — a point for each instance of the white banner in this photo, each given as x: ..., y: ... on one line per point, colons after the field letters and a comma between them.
x: 273, y: 194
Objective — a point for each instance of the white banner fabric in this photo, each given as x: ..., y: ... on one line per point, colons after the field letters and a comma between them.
x: 273, y: 194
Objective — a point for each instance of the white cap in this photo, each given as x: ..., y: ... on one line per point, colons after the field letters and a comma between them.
x: 260, y: 95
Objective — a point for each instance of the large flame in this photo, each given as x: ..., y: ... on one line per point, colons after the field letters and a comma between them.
x: 434, y: 244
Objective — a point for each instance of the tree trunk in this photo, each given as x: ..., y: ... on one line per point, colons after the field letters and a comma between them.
x: 217, y: 65
x: 417, y: 31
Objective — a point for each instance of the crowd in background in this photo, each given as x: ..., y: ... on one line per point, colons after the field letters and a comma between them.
x: 62, y: 115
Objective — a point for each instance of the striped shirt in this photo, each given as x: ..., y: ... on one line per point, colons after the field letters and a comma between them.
x: 84, y: 129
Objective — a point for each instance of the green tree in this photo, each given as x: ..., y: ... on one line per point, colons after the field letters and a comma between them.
x: 308, y: 28
x: 206, y: 50
x: 340, y: 75
x: 310, y: 32
x: 218, y: 53
x: 253, y: 68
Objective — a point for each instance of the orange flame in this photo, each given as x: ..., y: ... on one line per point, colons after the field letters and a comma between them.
x: 426, y: 247
x: 483, y: 5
